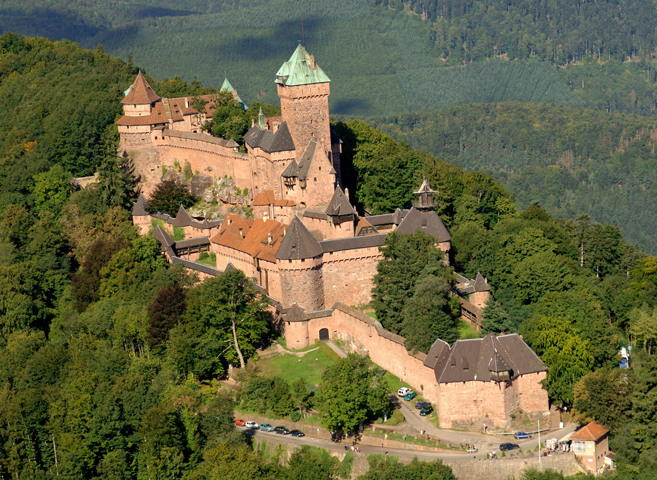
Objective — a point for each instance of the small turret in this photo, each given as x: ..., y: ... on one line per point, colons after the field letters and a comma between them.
x: 261, y: 119
x: 425, y: 197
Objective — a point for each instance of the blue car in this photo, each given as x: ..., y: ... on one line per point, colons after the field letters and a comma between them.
x: 522, y: 436
x: 265, y: 427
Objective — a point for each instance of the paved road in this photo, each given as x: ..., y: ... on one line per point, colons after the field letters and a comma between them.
x: 366, y: 449
x: 485, y: 443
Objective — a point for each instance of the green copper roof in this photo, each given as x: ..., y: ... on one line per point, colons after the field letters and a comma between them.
x: 227, y: 87
x: 298, y: 70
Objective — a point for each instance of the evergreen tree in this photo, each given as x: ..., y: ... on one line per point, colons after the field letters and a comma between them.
x: 166, y: 311
x: 404, y: 259
x: 496, y: 320
x: 429, y: 314
x: 169, y: 196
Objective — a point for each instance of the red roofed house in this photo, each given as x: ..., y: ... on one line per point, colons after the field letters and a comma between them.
x: 591, y: 445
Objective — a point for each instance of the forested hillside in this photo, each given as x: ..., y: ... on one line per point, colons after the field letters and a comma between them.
x: 560, y: 32
x: 109, y: 356
x: 569, y: 160
x: 381, y: 56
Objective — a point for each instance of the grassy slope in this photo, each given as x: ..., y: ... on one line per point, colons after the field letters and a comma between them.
x: 290, y: 368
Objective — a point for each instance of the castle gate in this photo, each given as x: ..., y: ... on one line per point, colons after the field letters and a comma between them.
x: 324, y: 335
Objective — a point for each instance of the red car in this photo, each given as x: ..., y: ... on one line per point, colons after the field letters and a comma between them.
x: 239, y: 422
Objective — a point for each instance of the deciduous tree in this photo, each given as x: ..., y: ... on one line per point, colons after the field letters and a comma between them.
x: 351, y: 394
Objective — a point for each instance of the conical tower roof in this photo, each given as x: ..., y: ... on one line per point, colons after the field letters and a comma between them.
x: 339, y: 204
x: 298, y: 243
x: 140, y: 92
x: 300, y: 69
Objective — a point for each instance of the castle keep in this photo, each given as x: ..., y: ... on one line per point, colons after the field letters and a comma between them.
x: 309, y: 250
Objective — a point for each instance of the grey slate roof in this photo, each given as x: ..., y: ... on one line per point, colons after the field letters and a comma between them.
x: 351, y: 243
x: 192, y: 242
x: 183, y: 219
x: 339, y: 204
x: 481, y: 284
x: 199, y: 267
x: 387, y: 218
x: 313, y: 214
x: 475, y: 359
x: 438, y: 353
x: 139, y: 208
x: 465, y: 286
x: 269, y: 141
x: 427, y: 221
x: 298, y: 243
x: 300, y: 169
x: 163, y: 237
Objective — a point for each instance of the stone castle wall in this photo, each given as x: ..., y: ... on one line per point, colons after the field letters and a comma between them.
x: 205, y: 157
x: 348, y: 275
x: 302, y: 283
x: 305, y: 108
x: 464, y: 405
x: 327, y: 230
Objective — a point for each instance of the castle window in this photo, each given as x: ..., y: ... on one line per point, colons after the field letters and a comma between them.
x: 315, y: 179
x: 320, y: 169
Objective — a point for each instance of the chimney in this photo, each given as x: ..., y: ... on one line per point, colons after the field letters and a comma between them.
x: 284, y: 231
x: 241, y: 233
x: 186, y: 102
x: 312, y: 62
x: 346, y: 193
x: 269, y: 238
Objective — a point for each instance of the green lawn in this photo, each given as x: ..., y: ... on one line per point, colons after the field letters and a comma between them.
x: 208, y: 259
x: 466, y: 331
x: 290, y: 368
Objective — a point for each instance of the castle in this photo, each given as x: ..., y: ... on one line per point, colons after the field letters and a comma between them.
x: 309, y: 250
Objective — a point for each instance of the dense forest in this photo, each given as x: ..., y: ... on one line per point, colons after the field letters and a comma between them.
x: 549, y: 52
x: 570, y: 160
x: 109, y: 356
x: 560, y: 32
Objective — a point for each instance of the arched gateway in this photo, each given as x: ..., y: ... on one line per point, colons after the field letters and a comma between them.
x: 324, y: 335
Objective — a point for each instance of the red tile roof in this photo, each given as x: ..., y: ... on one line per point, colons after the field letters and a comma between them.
x: 254, y: 238
x: 592, y: 431
x: 140, y: 92
x: 267, y: 197
x: 158, y: 116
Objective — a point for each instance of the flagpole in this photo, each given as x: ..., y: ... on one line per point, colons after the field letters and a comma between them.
x: 539, y: 440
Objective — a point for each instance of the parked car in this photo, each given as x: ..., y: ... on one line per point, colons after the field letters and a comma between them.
x: 281, y: 430
x: 522, y: 435
x: 402, y: 392
x: 251, y: 425
x: 410, y: 396
x: 265, y: 427
x: 239, y: 422
x: 426, y: 411
x: 508, y: 446
x: 297, y: 433
x: 472, y: 449
x: 421, y: 405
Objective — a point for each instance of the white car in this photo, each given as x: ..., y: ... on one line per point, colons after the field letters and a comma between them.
x: 402, y: 392
x: 251, y: 425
